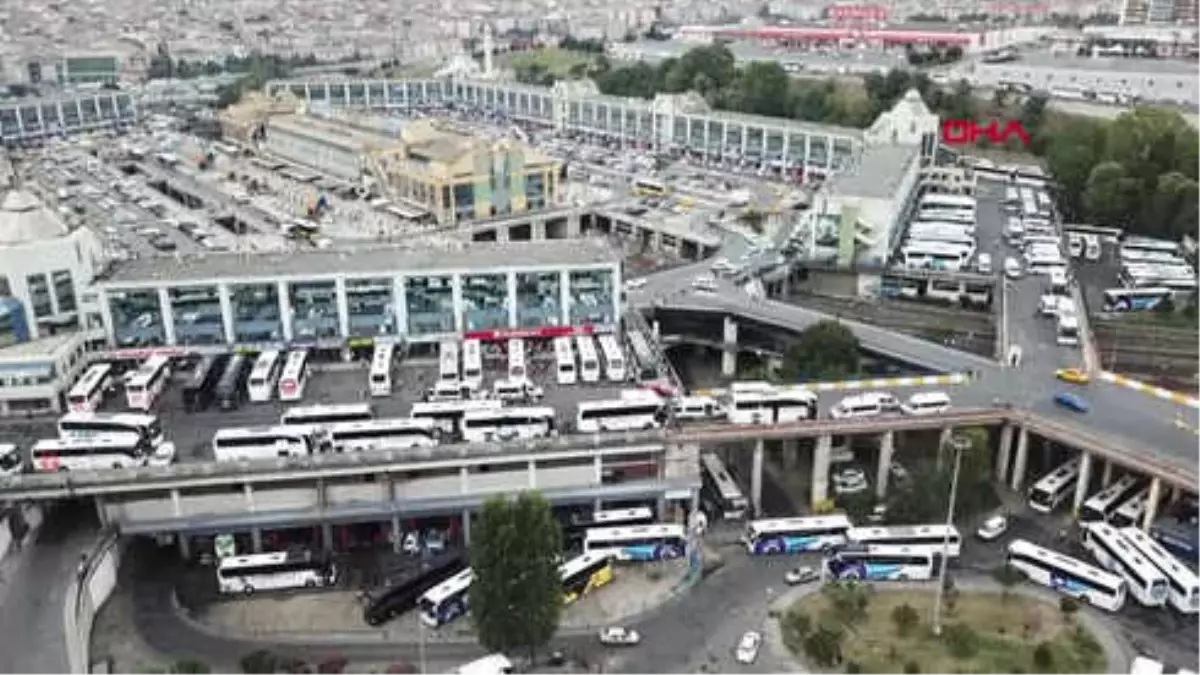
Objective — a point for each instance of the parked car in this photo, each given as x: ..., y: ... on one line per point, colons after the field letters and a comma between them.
x: 993, y: 527
x: 850, y: 480
x: 619, y: 636
x: 800, y: 575
x: 747, y: 648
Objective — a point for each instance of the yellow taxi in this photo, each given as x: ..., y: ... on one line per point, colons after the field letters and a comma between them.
x: 1072, y: 375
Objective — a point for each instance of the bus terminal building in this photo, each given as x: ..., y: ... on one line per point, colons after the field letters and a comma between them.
x: 352, y: 298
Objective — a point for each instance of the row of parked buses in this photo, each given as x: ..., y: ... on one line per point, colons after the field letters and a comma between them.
x: 578, y: 359
x: 96, y: 441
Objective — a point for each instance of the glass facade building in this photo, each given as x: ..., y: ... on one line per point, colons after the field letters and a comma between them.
x: 314, y: 310
x: 137, y: 318
x: 370, y: 305
x: 196, y: 312
x: 257, y: 316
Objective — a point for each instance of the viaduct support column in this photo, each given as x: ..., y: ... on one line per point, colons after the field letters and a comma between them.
x: 1081, y: 484
x: 791, y: 453
x: 466, y: 527
x: 820, y: 469
x: 944, y: 446
x: 756, y: 474
x: 1152, y: 503
x: 729, y: 353
x: 887, y: 446
x: 1004, y: 452
x: 1018, y: 474
x: 256, y: 532
x: 1106, y: 477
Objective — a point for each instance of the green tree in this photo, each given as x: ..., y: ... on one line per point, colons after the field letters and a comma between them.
x: 858, y: 505
x: 848, y: 601
x: 1068, y: 606
x: 824, y: 645
x: 905, y: 618
x: 190, y: 667
x: 1043, y: 657
x: 516, y: 598
x: 1111, y: 196
x: 961, y: 640
x: 911, y: 667
x: 259, y: 661
x: 826, y: 350
x: 1007, y: 577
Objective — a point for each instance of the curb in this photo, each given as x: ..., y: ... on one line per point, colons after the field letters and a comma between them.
x: 875, y: 383
x: 1157, y: 392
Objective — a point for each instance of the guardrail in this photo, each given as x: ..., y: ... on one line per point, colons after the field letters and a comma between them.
x: 90, y: 586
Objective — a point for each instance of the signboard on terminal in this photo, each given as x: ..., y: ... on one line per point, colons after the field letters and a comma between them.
x: 543, y: 333
x: 968, y: 132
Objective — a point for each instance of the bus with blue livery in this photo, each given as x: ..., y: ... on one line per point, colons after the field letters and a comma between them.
x: 795, y: 535
x: 643, y: 543
x: 880, y: 563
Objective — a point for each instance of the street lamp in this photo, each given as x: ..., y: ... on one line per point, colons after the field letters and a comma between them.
x: 959, y: 444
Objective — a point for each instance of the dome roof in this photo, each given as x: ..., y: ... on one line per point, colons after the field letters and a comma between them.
x: 23, y: 218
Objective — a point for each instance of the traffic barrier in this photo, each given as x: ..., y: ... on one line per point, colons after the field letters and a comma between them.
x: 1157, y: 392
x: 90, y: 586
x: 875, y: 383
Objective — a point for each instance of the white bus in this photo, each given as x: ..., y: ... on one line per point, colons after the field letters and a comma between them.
x: 323, y: 415
x: 295, y: 376
x: 144, y: 386
x: 86, y: 426
x: 1130, y: 512
x: 929, y: 538
x: 638, y: 515
x: 1183, y: 586
x: 1051, y: 489
x: 946, y: 216
x: 495, y: 664
x: 1148, y: 244
x: 881, y: 563
x: 642, y: 543
x: 720, y: 487
x: 506, y: 424
x: 1134, y: 299
x: 589, y: 360
x: 943, y: 202
x: 614, y: 357
x: 564, y: 358
x: 263, y: 377
x: 447, y: 601
x: 89, y: 391
x: 235, y: 444
x: 448, y: 362
x: 1067, y: 575
x: 395, y: 433
x: 795, y: 535
x: 273, y: 571
x: 1144, y: 581
x: 516, y: 359
x: 636, y: 409
x: 91, y: 454
x: 447, y: 416
x: 763, y: 403
x: 381, y: 369
x: 936, y: 255
x: 1100, y: 505
x: 472, y: 362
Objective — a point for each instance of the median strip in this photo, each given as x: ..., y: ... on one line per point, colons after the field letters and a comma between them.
x: 1157, y: 392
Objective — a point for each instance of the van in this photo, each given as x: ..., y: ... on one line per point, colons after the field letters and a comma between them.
x: 864, y: 405
x: 451, y: 391
x: 1075, y: 244
x: 927, y: 403
x: 697, y: 408
x: 1058, y: 281
x: 517, y: 389
x: 1012, y: 268
x: 983, y: 264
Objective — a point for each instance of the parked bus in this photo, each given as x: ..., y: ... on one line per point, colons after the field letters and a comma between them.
x: 231, y: 388
x: 589, y: 360
x: 1130, y: 512
x: 614, y: 357
x: 1067, y: 575
x: 636, y: 409
x: 238, y: 444
x: 264, y: 376
x: 446, y: 601
x: 295, y: 376
x: 935, y: 255
x: 1100, y: 505
x: 516, y: 359
x: 881, y: 563
x: 246, y: 574
x: 201, y: 389
x: 447, y: 416
x: 931, y: 538
x: 564, y: 358
x: 638, y: 515
x: 89, y: 391
x: 1134, y: 299
x: 381, y: 369
x: 648, y: 187
x: 322, y: 415
x: 1143, y: 580
x: 397, y: 595
x: 87, y: 426
x: 90, y: 454
x: 721, y: 488
x: 584, y: 574
x: 1051, y: 489
x: 448, y: 362
x: 642, y: 543
x: 795, y: 535
x: 506, y: 424
x: 1183, y: 586
x: 147, y: 382
x: 763, y: 403
x: 395, y: 433
x: 643, y: 356
x: 472, y: 363
x: 494, y: 664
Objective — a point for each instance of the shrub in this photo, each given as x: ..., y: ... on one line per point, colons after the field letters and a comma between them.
x: 798, y: 622
x: 258, y: 661
x: 906, y: 618
x: 912, y: 667
x: 190, y: 667
x: 1085, y: 642
x: 848, y: 601
x: 1043, y: 657
x: 1068, y: 606
x: 961, y: 640
x: 853, y: 667
x: 824, y: 646
x: 1007, y: 576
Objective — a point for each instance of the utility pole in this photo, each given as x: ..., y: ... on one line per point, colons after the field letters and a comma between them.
x: 959, y: 444
x: 421, y: 643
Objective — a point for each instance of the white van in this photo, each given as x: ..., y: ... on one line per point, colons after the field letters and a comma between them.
x: 1058, y: 281
x: 444, y: 390
x: 517, y: 389
x: 983, y: 264
x: 927, y: 403
x: 1012, y: 268
x: 864, y: 405
x: 697, y: 408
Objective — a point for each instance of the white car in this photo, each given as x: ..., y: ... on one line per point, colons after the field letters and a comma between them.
x: 800, y: 575
x: 704, y: 284
x: 164, y: 455
x: 747, y: 648
x: 850, y: 481
x: 619, y: 636
x: 993, y: 528
x: 1012, y: 268
x: 635, y: 284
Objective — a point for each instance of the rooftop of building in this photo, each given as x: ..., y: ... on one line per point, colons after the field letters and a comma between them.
x: 357, y: 262
x: 879, y: 175
x: 24, y: 218
x: 332, y: 132
x: 40, y: 350
x: 443, y: 142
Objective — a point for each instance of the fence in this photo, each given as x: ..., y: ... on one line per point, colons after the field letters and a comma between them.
x: 93, y: 583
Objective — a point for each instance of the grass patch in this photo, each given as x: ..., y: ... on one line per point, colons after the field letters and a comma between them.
x: 552, y: 60
x: 983, y: 634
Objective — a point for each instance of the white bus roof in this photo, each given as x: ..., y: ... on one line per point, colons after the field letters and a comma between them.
x: 456, y: 406
x: 131, y: 419
x: 398, y: 423
x: 579, y: 563
x: 52, y: 444
x: 244, y: 432
x: 901, y: 531
x: 1063, y: 474
x: 327, y: 409
x: 635, y: 531
x: 449, y: 587
x: 503, y: 411
x: 1022, y: 547
x: 785, y: 524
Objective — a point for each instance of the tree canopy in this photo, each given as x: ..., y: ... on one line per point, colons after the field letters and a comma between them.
x: 826, y: 350
x: 925, y: 499
x: 516, y: 598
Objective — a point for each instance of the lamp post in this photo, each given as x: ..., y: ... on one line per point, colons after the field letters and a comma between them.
x: 959, y: 444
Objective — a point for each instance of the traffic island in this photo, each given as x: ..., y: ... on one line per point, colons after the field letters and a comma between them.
x: 985, y: 629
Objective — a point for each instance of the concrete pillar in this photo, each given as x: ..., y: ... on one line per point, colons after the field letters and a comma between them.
x: 729, y: 353
x: 503, y: 234
x: 573, y: 226
x: 1152, y: 503
x: 226, y: 312
x: 1018, y: 474
x: 400, y: 305
x: 660, y: 507
x: 456, y: 301
x: 537, y: 230
x: 1174, y: 495
x: 511, y: 302
x: 466, y: 527
x: 185, y: 545
x: 343, y: 307
x: 101, y: 512
x: 397, y: 534
x: 285, y: 310
x: 1081, y: 485
x: 820, y: 469
x: 887, y: 447
x: 791, y: 453
x: 944, y: 446
x: 1004, y: 452
x: 1106, y: 477
x: 256, y: 539
x: 168, y: 316
x: 327, y: 537
x: 756, y: 474
x: 656, y: 329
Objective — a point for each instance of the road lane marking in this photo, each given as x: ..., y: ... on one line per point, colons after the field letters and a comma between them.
x: 874, y: 383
